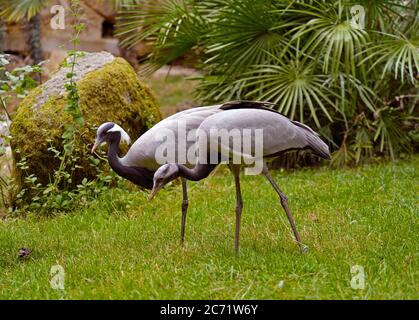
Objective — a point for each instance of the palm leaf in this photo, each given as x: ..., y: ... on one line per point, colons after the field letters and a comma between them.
x: 294, y: 86
x: 397, y: 54
x: 15, y: 11
x: 242, y: 35
x: 330, y: 35
x: 173, y: 27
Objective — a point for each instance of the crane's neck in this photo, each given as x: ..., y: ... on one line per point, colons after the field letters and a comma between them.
x: 199, y: 172
x: 139, y: 176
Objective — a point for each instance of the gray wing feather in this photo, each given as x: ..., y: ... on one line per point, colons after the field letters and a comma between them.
x: 279, y: 133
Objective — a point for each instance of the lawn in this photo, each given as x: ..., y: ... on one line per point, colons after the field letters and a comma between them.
x: 122, y: 246
x: 172, y: 91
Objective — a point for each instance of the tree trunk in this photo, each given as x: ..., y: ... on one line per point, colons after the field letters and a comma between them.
x: 34, y: 38
x: 130, y: 56
x: 2, y: 35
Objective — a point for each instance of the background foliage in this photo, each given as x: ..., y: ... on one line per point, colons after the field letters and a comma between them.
x: 356, y: 82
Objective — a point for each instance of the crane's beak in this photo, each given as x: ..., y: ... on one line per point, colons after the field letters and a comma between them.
x: 97, y: 143
x: 153, y: 193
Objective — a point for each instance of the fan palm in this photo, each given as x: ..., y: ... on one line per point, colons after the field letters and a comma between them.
x: 291, y: 84
x: 397, y: 53
x: 173, y: 26
x: 309, y: 57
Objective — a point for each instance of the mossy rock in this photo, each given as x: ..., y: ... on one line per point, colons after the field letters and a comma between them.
x: 109, y: 90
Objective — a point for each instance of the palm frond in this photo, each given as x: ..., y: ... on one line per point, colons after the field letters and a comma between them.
x: 329, y: 34
x: 120, y: 4
x: 295, y: 87
x: 14, y: 11
x: 173, y: 27
x: 396, y: 54
x: 242, y: 35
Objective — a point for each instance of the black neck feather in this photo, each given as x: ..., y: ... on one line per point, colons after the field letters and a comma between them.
x: 199, y: 172
x: 139, y: 176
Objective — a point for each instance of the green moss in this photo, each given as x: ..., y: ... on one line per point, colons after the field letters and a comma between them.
x: 111, y: 93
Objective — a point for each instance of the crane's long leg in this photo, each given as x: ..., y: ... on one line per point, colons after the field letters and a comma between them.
x: 284, y: 203
x: 239, y: 206
x: 184, y: 209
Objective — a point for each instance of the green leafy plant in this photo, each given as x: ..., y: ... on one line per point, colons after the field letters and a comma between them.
x: 57, y: 196
x: 356, y: 81
x: 15, y: 83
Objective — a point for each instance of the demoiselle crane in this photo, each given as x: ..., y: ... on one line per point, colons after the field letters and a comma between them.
x: 280, y: 135
x: 139, y: 164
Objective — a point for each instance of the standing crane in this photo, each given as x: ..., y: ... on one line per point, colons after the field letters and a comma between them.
x: 280, y: 135
x: 140, y: 164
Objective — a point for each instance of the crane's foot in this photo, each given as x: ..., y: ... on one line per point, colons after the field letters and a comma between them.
x: 303, y: 248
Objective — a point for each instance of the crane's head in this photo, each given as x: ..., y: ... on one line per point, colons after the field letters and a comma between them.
x: 163, y: 175
x: 108, y: 131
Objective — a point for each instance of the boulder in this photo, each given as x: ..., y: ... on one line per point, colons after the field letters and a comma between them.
x: 109, y: 90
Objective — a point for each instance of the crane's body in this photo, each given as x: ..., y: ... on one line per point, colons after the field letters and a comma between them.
x: 141, y: 167
x: 279, y: 134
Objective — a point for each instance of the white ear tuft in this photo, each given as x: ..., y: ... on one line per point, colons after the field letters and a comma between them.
x: 124, y: 136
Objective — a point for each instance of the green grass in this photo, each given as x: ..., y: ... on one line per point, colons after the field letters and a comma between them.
x: 122, y: 246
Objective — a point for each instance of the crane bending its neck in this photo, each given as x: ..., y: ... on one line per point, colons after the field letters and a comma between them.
x: 199, y: 172
x: 139, y: 176
x: 170, y: 172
